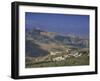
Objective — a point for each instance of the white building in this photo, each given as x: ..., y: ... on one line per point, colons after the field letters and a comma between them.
x: 60, y: 58
x: 54, y: 53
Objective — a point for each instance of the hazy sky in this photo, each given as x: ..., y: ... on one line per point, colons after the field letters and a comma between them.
x: 60, y: 23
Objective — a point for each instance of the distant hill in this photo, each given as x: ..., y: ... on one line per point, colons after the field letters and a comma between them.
x: 40, y: 42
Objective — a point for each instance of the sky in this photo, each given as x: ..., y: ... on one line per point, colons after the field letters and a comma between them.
x: 59, y: 23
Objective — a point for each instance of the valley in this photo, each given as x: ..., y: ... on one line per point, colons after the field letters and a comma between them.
x: 50, y: 49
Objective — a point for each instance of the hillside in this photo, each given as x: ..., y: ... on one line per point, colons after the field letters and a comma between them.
x: 47, y: 47
x: 42, y: 41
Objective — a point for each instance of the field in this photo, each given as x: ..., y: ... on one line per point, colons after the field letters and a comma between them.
x: 79, y: 61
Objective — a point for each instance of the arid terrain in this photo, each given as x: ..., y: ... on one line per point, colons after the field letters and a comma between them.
x: 50, y: 49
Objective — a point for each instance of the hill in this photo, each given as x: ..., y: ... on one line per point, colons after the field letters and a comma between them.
x: 39, y: 42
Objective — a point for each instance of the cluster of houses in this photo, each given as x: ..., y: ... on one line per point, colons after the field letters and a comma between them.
x: 69, y: 53
x: 59, y: 56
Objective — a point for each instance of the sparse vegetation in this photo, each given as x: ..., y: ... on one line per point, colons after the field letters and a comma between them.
x: 46, y: 49
x: 83, y: 60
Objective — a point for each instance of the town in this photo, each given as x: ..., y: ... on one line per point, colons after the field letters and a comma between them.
x: 56, y: 56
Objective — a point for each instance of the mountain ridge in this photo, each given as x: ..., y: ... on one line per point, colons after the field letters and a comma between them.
x: 47, y: 41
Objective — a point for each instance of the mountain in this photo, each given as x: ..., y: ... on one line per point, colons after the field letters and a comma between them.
x: 33, y: 49
x: 40, y: 42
